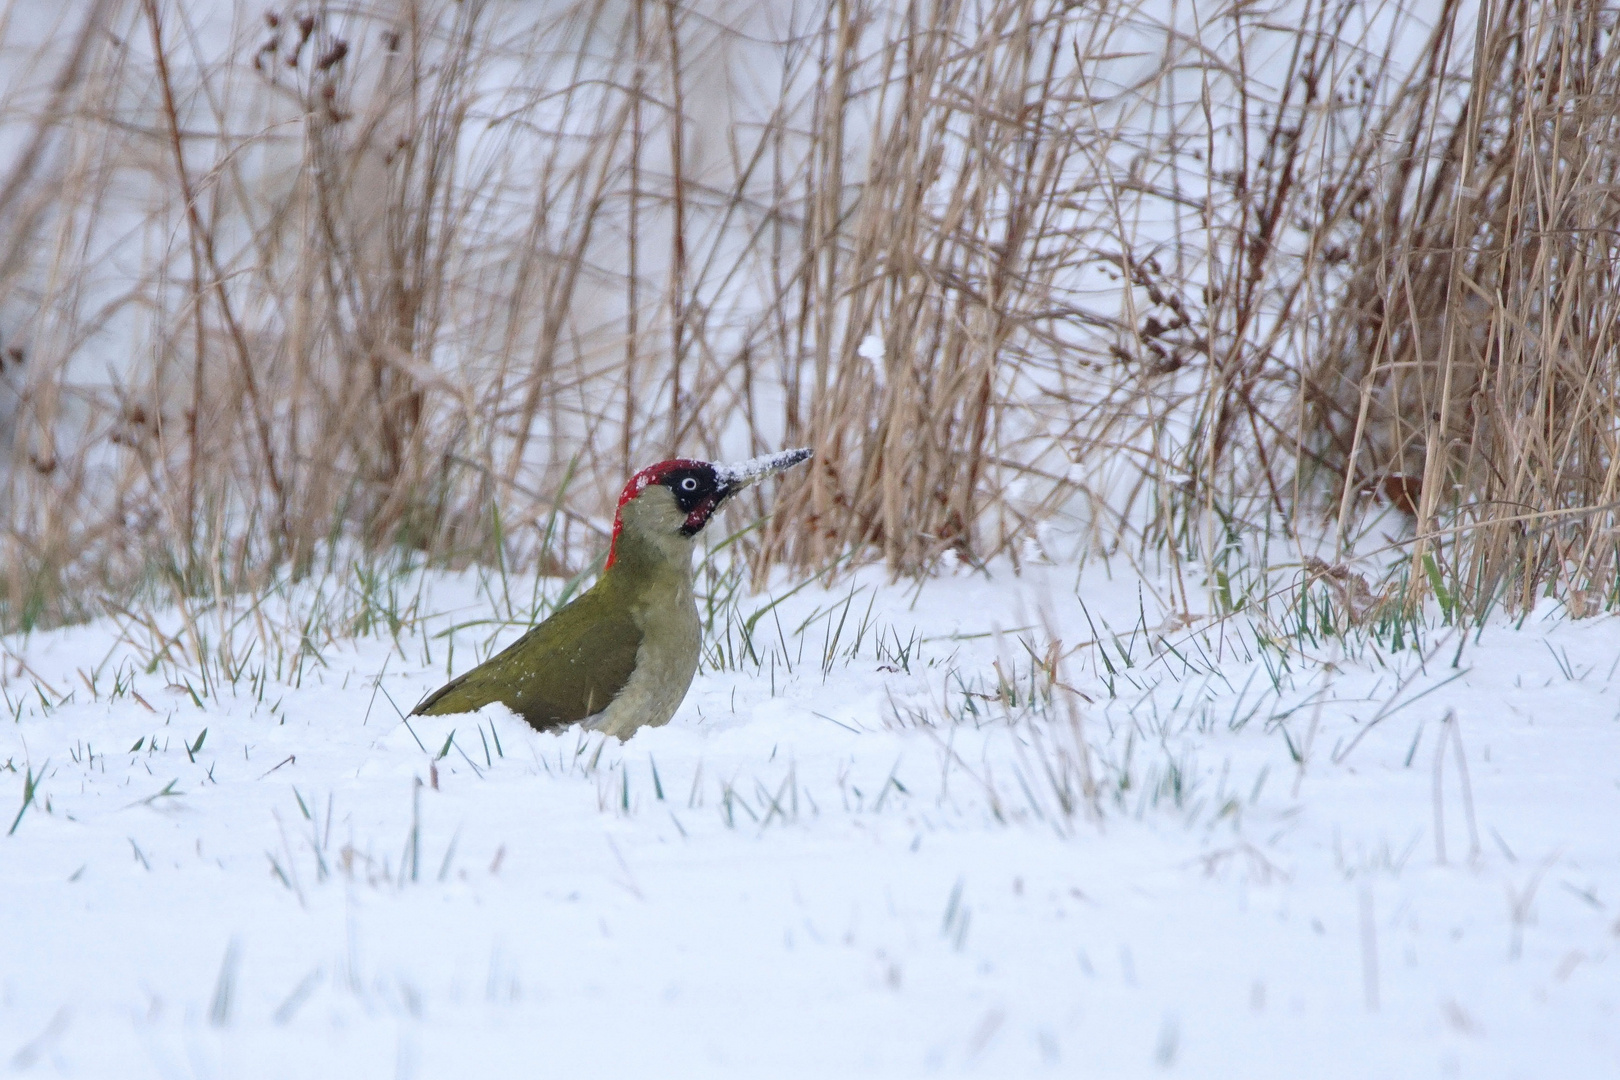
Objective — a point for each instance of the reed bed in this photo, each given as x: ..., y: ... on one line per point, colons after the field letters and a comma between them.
x: 285, y: 280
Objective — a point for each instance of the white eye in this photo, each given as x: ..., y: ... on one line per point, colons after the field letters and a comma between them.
x: 689, y: 484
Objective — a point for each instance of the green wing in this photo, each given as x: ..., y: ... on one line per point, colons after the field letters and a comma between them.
x: 562, y: 671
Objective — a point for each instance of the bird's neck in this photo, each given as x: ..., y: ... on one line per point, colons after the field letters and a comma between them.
x: 647, y: 536
x: 640, y: 553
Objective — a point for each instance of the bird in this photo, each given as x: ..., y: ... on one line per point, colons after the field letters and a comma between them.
x: 621, y: 656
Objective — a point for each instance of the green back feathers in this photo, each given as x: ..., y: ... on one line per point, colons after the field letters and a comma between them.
x: 560, y: 672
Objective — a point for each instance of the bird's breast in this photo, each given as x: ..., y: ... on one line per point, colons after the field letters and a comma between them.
x: 672, y: 637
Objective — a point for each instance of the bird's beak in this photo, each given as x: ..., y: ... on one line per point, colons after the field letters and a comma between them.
x: 738, y: 475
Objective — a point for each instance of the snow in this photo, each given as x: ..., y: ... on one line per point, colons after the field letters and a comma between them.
x: 741, y: 474
x: 851, y: 857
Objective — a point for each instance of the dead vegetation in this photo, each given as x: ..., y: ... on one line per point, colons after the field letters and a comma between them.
x: 283, y: 277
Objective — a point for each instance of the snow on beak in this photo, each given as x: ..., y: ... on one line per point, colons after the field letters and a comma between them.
x: 738, y: 475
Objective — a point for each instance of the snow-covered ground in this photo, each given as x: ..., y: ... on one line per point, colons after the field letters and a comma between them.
x: 865, y: 849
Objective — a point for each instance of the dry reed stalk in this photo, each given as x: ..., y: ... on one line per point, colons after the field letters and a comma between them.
x: 1479, y: 363
x: 392, y: 273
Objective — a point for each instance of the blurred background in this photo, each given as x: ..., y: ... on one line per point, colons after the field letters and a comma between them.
x: 1235, y: 289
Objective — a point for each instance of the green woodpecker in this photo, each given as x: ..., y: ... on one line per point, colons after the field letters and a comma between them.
x: 622, y: 654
